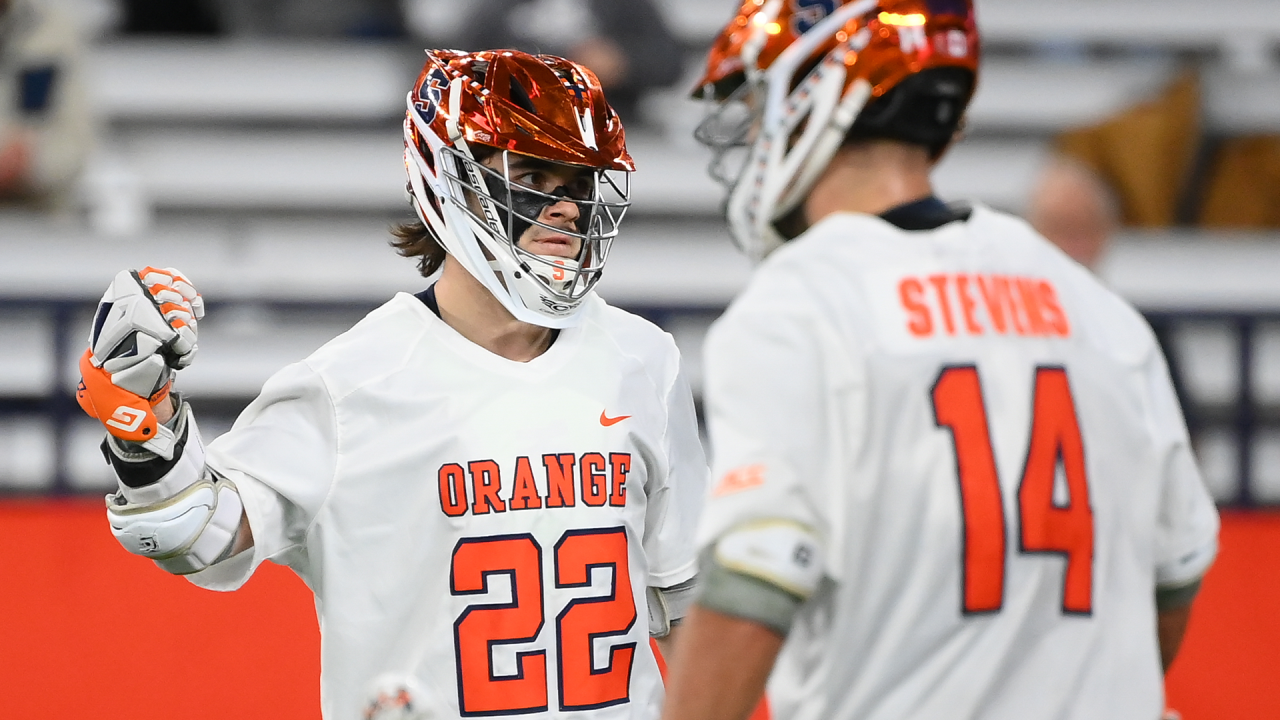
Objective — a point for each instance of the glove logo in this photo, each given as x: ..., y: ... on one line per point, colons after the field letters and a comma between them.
x: 148, y: 544
x: 126, y: 418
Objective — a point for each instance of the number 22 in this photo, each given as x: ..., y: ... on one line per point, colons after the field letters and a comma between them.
x: 480, y: 627
x: 1045, y: 526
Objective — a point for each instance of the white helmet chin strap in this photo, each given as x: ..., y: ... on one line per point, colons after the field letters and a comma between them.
x: 560, y: 277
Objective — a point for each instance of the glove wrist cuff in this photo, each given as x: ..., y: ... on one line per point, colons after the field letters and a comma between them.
x: 144, y: 477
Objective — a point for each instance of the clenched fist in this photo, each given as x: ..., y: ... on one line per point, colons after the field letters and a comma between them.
x: 145, y: 328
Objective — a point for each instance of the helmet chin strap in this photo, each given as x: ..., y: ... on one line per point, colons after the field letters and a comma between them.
x: 559, y: 275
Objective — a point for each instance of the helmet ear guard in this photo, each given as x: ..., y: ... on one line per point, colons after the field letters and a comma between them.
x: 924, y: 109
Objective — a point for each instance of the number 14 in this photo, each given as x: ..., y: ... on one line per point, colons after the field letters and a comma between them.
x: 1045, y: 526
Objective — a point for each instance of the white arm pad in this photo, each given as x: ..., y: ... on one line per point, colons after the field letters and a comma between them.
x: 186, y: 520
x: 184, y: 534
x: 783, y: 553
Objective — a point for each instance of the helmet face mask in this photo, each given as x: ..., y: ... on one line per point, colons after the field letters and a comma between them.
x: 804, y: 78
x: 476, y: 124
x: 728, y: 131
x: 776, y: 132
x: 504, y: 210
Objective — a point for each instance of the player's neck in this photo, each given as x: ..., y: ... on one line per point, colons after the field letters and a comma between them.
x: 469, y: 308
x: 870, y: 177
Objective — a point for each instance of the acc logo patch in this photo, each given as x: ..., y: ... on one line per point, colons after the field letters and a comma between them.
x: 431, y: 94
x: 739, y: 479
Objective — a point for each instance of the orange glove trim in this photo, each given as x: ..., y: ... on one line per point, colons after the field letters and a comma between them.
x: 126, y: 416
x: 169, y: 273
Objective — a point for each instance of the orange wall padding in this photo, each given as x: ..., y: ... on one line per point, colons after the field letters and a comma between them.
x: 1230, y: 659
x: 88, y: 631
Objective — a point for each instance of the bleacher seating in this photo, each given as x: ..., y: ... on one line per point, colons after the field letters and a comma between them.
x: 273, y: 169
x: 189, y: 123
x: 213, y: 81
x: 1225, y: 25
x: 1183, y: 24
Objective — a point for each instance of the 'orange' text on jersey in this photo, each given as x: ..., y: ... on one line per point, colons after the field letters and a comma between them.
x: 973, y: 304
x: 479, y: 487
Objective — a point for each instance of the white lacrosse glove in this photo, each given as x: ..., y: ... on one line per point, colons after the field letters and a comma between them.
x: 145, y: 328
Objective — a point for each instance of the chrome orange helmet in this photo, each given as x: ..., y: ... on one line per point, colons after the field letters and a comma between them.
x: 467, y: 106
x: 791, y: 79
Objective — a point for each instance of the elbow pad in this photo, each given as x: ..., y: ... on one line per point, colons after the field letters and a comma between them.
x: 184, y: 534
x: 181, y: 515
x: 781, y: 553
x: 762, y: 571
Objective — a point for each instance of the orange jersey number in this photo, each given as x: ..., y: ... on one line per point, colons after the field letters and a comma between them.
x: 481, y: 627
x: 583, y: 687
x: 1046, y: 526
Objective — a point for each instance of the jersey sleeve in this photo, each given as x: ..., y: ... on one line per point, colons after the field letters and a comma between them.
x: 1187, y: 521
x: 281, y: 455
x: 770, y: 403
x: 672, y: 514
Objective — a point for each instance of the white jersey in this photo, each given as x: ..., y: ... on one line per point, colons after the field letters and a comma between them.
x: 986, y: 444
x: 479, y: 533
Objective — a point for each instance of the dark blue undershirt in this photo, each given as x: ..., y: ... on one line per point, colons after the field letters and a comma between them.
x: 925, y: 214
x: 428, y: 298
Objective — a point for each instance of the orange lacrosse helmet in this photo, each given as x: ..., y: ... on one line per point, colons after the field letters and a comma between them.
x: 464, y: 108
x: 792, y: 79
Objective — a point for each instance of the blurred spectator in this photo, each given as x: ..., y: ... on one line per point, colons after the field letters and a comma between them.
x: 626, y: 44
x: 45, y: 122
x: 1075, y: 208
x: 1155, y: 165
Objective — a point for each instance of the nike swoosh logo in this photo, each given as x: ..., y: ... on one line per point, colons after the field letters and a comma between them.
x: 607, y: 421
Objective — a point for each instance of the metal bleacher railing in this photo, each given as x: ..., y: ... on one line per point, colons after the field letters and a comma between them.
x: 270, y: 171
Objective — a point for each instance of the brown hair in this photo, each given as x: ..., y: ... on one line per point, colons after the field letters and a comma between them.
x: 414, y: 239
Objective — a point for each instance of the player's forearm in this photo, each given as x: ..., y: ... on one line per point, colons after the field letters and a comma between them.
x: 719, y: 667
x: 667, y: 643
x: 244, y: 536
x: 165, y: 410
x: 1171, y: 626
x: 1173, y: 607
